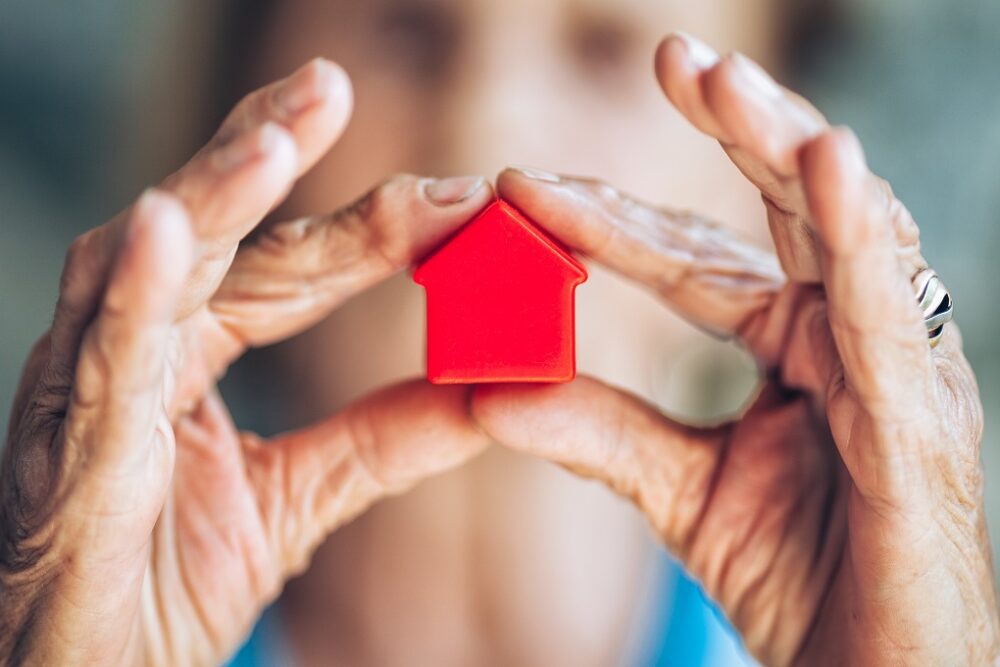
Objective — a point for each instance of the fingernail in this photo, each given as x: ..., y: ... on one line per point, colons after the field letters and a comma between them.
x: 756, y: 77
x: 246, y: 147
x: 303, y: 88
x: 537, y: 174
x: 700, y: 53
x: 447, y: 191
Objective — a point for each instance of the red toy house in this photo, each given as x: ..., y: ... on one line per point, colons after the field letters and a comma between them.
x: 500, y: 303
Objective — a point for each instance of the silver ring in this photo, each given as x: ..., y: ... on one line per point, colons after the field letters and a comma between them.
x: 935, y: 301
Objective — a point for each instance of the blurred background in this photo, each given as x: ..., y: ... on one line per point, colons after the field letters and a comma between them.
x: 102, y: 98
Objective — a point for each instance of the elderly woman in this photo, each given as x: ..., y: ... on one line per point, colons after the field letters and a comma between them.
x: 839, y: 520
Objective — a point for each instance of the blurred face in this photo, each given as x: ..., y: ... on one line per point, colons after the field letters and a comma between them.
x: 447, y: 87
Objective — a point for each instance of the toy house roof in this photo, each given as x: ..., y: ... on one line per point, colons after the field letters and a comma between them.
x: 499, y: 212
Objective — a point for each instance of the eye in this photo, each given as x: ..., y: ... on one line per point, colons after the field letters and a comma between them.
x: 601, y: 46
x: 417, y: 38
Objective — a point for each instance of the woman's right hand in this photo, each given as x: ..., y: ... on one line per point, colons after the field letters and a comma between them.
x: 136, y: 524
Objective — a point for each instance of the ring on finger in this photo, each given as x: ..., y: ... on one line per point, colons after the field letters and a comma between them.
x: 936, y: 304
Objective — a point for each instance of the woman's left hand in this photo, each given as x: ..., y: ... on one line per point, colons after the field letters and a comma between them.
x: 841, y: 519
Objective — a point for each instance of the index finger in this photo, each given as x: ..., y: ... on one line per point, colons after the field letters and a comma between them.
x: 706, y: 272
x: 271, y: 137
x: 295, y: 272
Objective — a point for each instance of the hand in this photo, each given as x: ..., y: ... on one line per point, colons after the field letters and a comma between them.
x: 841, y: 520
x: 136, y: 524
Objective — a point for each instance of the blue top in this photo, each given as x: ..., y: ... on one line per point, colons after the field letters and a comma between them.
x: 683, y: 628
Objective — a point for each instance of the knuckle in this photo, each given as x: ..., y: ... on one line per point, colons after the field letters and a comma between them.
x: 321, y: 70
x: 722, y: 80
x: 380, y: 212
x: 906, y: 234
x: 273, y: 138
x: 245, y: 114
x: 279, y: 239
x: 605, y: 193
x: 41, y: 403
x: 884, y: 208
x: 842, y: 136
x: 365, y: 445
x: 381, y: 199
x: 79, y: 259
x: 828, y: 143
x: 99, y: 351
x: 239, y: 119
x: 390, y: 188
x: 967, y: 411
x: 29, y: 478
x: 24, y: 543
x: 78, y: 248
x: 47, y: 406
x: 976, y: 420
x: 155, y: 203
x: 319, y: 76
x: 958, y: 383
x: 26, y: 565
x: 721, y: 73
x: 24, y: 591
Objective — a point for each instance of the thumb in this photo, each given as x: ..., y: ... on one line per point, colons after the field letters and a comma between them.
x: 312, y: 481
x: 597, y: 431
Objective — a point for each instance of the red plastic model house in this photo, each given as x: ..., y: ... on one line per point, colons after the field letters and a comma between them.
x: 500, y: 303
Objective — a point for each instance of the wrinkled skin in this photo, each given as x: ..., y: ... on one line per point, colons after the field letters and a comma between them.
x: 138, y: 525
x: 839, y: 521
